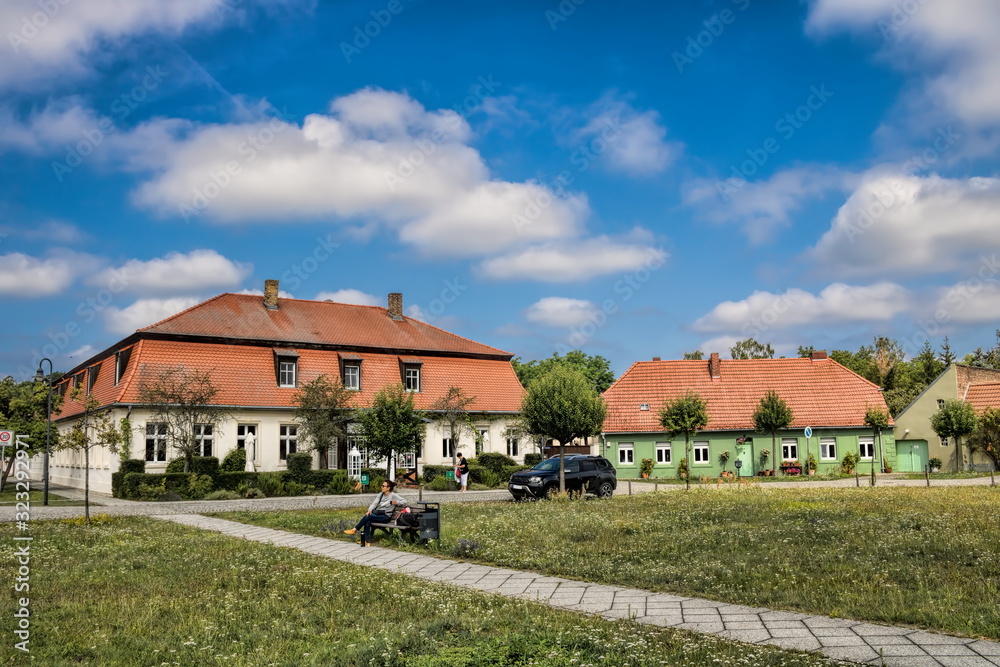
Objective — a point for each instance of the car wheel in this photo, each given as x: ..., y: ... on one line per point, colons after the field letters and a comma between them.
x: 518, y: 497
x: 550, y: 491
x: 605, y: 490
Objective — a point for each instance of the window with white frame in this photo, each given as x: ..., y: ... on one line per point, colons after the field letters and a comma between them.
x: 663, y: 453
x: 246, y: 438
x: 944, y: 442
x: 352, y: 377
x: 828, y: 449
x: 411, y: 377
x: 866, y: 447
x: 447, y: 448
x: 482, y: 439
x: 626, y: 453
x: 700, y: 452
x: 156, y: 442
x: 203, y: 438
x: 789, y: 449
x: 407, y: 460
x: 333, y: 454
x: 357, y: 442
x: 288, y: 440
x: 512, y: 447
x: 287, y: 371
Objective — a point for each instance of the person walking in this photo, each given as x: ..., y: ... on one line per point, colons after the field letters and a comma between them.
x: 380, y: 511
x: 463, y: 470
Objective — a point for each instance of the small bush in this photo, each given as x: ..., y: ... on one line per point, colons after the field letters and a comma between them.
x: 199, y: 486
x: 299, y: 465
x: 439, y: 484
x: 432, y: 472
x: 235, y: 461
x: 205, y: 465
x: 849, y: 463
x: 231, y: 481
x: 682, y: 469
x: 489, y: 478
x: 495, y: 462
x: 132, y: 465
x: 255, y: 493
x: 150, y: 492
x: 176, y: 465
x: 271, y: 484
x: 293, y: 488
x: 533, y: 459
x: 223, y: 494
x: 510, y: 470
x: 341, y: 484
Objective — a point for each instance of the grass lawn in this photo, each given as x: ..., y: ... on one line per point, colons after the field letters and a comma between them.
x: 928, y: 557
x: 9, y: 497
x: 136, y: 591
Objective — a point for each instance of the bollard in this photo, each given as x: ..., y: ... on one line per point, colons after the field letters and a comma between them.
x: 630, y: 487
x: 927, y: 474
x: 857, y: 479
x: 420, y: 495
x: 656, y: 487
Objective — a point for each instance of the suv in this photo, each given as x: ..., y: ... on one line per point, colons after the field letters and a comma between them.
x: 590, y: 474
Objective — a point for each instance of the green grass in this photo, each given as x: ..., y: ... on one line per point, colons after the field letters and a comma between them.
x: 10, y: 496
x: 912, y: 556
x: 135, y: 591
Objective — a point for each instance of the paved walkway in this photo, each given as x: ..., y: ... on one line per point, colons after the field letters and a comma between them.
x: 835, y: 638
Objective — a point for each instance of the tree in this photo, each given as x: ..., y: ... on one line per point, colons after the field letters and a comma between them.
x: 806, y: 351
x: 887, y: 357
x: 323, y: 410
x: 877, y: 420
x: 23, y: 408
x: 751, y: 349
x: 452, y: 409
x: 563, y: 404
x: 181, y: 399
x: 595, y: 368
x: 927, y: 365
x: 985, y: 359
x: 955, y: 419
x: 986, y: 437
x: 391, y: 425
x: 772, y: 415
x: 697, y: 355
x: 947, y: 356
x: 688, y: 415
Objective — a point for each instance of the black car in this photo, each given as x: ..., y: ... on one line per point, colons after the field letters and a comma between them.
x: 590, y: 474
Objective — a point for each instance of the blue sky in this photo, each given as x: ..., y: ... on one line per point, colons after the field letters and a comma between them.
x: 631, y: 179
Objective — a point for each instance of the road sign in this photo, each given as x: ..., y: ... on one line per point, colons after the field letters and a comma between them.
x: 808, y: 431
x: 450, y: 474
x: 364, y: 479
x: 6, y: 436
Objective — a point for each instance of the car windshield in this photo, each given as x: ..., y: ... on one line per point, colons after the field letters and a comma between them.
x: 548, y: 464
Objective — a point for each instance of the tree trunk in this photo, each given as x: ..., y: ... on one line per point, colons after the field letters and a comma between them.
x: 86, y: 483
x: 7, y: 468
x: 774, y: 454
x: 562, y: 469
x: 687, y: 455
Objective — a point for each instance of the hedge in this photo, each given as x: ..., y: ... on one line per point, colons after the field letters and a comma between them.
x: 203, y: 465
x: 126, y: 485
x: 533, y: 459
x: 235, y: 461
x: 495, y: 461
x: 299, y: 465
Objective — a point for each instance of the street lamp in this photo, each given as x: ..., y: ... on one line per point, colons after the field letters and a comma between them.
x: 39, y: 376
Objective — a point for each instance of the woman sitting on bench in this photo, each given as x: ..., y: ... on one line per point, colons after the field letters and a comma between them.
x: 380, y: 511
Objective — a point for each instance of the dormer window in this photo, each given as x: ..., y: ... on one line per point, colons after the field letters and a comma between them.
x: 350, y: 370
x: 286, y: 367
x: 92, y: 377
x: 410, y: 371
x: 121, y: 363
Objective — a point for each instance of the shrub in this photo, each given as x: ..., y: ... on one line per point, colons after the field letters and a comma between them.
x: 231, y: 481
x: 175, y: 465
x: 271, y: 484
x: 293, y: 488
x: 489, y: 478
x: 205, y: 465
x: 199, y: 486
x: 150, y: 492
x: 849, y: 463
x: 495, y: 461
x: 533, y: 459
x: 235, y: 461
x: 170, y: 481
x: 646, y: 467
x: 299, y: 465
x: 132, y: 465
x: 432, y: 472
x: 223, y: 494
x: 682, y: 468
x: 255, y: 493
x: 439, y: 483
x: 510, y: 470
x: 340, y: 484
x: 934, y: 462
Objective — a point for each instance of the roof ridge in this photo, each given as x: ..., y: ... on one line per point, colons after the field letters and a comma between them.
x: 454, y: 335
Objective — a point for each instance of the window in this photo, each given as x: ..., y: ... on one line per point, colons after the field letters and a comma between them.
x: 447, y: 448
x: 663, y: 452
x: 866, y: 448
x: 700, y: 452
x: 246, y: 438
x: 358, y: 443
x: 412, y: 378
x: 156, y: 442
x: 352, y: 377
x: 789, y: 449
x: 944, y: 442
x: 626, y: 453
x: 407, y: 460
x: 288, y: 437
x: 940, y: 402
x: 203, y: 437
x: 287, y: 367
x: 121, y: 363
x: 828, y: 449
x: 482, y: 439
x: 512, y: 447
x: 92, y: 377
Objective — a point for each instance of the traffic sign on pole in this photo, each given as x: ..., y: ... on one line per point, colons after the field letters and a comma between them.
x: 808, y: 432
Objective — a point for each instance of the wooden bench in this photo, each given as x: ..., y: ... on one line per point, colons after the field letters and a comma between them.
x: 420, y: 524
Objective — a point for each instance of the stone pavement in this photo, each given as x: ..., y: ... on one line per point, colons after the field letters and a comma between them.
x: 835, y: 638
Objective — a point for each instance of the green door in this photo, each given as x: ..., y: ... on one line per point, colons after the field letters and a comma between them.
x: 911, y: 455
x: 745, y: 454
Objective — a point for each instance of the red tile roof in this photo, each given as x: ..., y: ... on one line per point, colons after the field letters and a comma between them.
x: 302, y: 322
x: 821, y: 393
x: 983, y: 396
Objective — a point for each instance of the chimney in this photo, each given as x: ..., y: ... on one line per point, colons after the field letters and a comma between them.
x: 396, y: 305
x: 714, y: 367
x: 271, y: 294
x: 817, y: 355
x: 656, y: 358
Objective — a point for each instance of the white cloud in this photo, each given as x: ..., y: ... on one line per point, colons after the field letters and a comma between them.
x: 354, y: 296
x: 912, y: 225
x: 557, y: 311
x: 763, y: 311
x: 572, y: 261
x: 66, y: 121
x: 176, y: 273
x: 954, y: 40
x: 973, y: 301
x: 143, y: 313
x: 379, y: 156
x: 51, y: 231
x: 630, y: 141
x: 761, y: 207
x: 26, y: 276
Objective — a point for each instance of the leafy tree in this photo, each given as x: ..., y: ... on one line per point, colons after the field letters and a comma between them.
x: 697, y: 355
x: 595, y: 368
x: 23, y: 407
x: 453, y: 410
x: 687, y: 414
x: 391, y: 425
x: 986, y: 437
x: 563, y: 404
x: 985, y: 359
x: 806, y: 351
x: 888, y: 354
x: 772, y: 415
x: 955, y: 419
x: 323, y: 410
x: 877, y: 420
x: 182, y: 399
x: 751, y: 349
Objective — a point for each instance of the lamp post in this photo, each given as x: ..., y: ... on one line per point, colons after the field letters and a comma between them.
x: 39, y: 376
